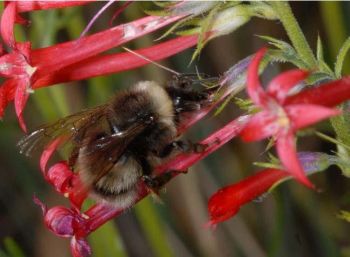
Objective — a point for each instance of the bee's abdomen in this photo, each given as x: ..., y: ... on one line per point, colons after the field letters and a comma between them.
x: 120, y: 186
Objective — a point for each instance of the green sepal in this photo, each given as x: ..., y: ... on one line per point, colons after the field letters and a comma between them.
x: 341, y: 57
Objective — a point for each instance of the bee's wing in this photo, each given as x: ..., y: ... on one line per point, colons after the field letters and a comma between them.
x: 70, y: 128
x: 100, y: 155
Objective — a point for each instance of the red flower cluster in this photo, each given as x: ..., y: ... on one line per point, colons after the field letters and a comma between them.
x: 280, y: 116
x: 225, y: 203
x: 77, y: 224
x: 27, y: 69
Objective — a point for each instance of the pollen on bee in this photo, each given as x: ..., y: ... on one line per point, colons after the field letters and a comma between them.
x: 66, y: 195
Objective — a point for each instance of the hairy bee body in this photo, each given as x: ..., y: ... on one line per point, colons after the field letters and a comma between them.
x: 146, y: 101
x: 116, y: 144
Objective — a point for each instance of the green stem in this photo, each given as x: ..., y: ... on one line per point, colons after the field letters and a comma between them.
x: 294, y: 32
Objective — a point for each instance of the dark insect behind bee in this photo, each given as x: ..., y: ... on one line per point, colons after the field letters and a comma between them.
x: 117, y: 144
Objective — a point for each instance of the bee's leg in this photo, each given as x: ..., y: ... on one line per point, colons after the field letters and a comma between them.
x: 181, y: 146
x: 156, y: 183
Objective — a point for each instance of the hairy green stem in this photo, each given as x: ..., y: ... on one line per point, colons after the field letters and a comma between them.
x: 294, y: 32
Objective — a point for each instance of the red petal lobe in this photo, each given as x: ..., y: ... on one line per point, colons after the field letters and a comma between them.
x: 80, y: 247
x: 254, y: 88
x: 303, y: 115
x: 280, y: 85
x: 21, y: 97
x: 60, y: 220
x: 260, y: 126
x: 329, y: 94
x: 6, y: 89
x: 287, y: 153
x: 47, y: 153
x: 60, y: 175
x: 7, y: 24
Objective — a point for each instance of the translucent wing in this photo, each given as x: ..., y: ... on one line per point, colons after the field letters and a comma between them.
x: 71, y: 128
x: 96, y: 145
x: 99, y: 155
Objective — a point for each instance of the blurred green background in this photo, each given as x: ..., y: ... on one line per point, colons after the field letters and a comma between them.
x: 292, y: 221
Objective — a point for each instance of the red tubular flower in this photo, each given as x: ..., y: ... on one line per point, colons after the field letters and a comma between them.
x: 24, y: 66
x: 66, y: 222
x: 58, y: 56
x: 27, y: 6
x: 65, y: 181
x: 15, y: 66
x: 79, y: 225
x: 227, y: 201
x: 112, y: 63
x: 94, y: 66
x: 281, y: 119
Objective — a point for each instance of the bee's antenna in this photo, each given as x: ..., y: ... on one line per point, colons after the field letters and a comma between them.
x: 149, y: 60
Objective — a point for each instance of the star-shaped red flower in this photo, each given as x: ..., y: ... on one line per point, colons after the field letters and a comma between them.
x: 280, y: 119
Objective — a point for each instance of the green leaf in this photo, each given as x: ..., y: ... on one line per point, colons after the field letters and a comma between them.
x: 323, y: 66
x: 244, y: 104
x: 273, y: 162
x: 178, y: 24
x: 319, y: 49
x: 205, y: 27
x: 12, y: 248
x: 223, y: 105
x: 341, y: 57
x: 285, y: 52
x: 277, y: 43
x: 282, y: 56
x: 267, y: 165
x: 263, y: 10
x: 156, y: 12
x: 318, y: 77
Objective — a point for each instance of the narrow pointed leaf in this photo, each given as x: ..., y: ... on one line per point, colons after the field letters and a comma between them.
x: 319, y: 50
x: 341, y: 57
